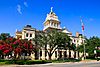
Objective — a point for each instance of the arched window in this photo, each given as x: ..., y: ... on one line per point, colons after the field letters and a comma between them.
x: 26, y: 34
x: 30, y: 35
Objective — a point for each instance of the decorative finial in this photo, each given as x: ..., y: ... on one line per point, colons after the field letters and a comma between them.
x: 51, y: 9
x: 16, y: 30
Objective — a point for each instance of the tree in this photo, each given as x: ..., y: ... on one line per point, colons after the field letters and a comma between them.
x: 40, y: 41
x: 6, y: 47
x: 14, y: 46
x: 72, y: 46
x: 58, y: 40
x: 52, y: 40
x: 90, y: 45
x: 4, y: 36
x: 22, y: 46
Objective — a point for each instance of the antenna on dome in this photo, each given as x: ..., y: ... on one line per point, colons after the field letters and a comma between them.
x: 51, y: 9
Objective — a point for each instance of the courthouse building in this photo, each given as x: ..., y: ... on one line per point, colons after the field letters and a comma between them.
x: 51, y: 22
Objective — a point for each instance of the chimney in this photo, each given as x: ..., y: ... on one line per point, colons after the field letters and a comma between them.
x: 77, y: 34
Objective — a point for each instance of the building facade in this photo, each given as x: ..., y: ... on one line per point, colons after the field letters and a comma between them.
x: 51, y: 22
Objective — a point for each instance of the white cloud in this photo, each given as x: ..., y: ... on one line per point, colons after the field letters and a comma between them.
x: 91, y: 19
x: 25, y: 4
x: 19, y: 9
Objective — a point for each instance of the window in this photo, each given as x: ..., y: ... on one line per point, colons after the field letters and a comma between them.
x: 74, y: 40
x: 30, y: 35
x: 40, y: 53
x: 55, y: 53
x: 26, y: 34
x: 45, y: 53
x: 54, y: 24
x: 65, y: 54
x: 51, y: 24
x: 57, y: 25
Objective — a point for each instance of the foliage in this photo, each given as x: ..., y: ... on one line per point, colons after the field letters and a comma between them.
x: 29, y: 62
x: 65, y: 60
x: 23, y: 62
x: 4, y: 36
x: 90, y: 45
x: 53, y: 40
x: 10, y: 45
x: 98, y: 51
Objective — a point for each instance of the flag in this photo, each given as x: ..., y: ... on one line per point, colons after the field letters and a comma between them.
x: 82, y: 25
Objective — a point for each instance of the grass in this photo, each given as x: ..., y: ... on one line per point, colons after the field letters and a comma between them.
x: 2, y: 63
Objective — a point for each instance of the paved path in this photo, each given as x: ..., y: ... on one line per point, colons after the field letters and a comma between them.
x: 76, y: 64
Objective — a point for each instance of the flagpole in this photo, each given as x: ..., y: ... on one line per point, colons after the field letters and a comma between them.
x: 84, y: 45
x: 83, y: 38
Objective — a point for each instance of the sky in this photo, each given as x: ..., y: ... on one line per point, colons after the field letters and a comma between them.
x: 15, y: 14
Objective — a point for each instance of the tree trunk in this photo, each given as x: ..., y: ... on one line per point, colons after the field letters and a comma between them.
x: 69, y: 53
x: 50, y: 57
x: 2, y: 56
x: 74, y: 54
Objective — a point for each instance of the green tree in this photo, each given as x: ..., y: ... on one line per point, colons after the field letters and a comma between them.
x: 53, y: 39
x: 90, y: 45
x: 40, y: 42
x: 4, y: 36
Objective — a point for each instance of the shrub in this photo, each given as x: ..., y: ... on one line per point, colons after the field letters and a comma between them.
x: 23, y: 62
x: 66, y: 60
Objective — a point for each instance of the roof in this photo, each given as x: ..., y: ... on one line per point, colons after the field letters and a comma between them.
x: 29, y: 27
x: 66, y: 30
x: 18, y: 32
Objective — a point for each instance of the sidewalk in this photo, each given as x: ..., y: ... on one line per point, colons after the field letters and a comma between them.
x: 89, y: 61
x: 83, y: 61
x: 52, y: 64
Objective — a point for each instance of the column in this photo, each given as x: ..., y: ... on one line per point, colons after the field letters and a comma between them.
x: 63, y: 54
x: 50, y: 23
x: 39, y: 55
x: 33, y: 56
x: 53, y: 56
x: 47, y: 57
x: 72, y: 54
x: 67, y: 53
x: 43, y: 54
x: 76, y: 54
x: 57, y: 53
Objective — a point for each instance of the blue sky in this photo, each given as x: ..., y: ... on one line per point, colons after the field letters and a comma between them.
x: 15, y: 14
